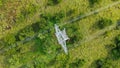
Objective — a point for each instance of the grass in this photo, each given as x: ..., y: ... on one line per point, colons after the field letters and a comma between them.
x: 89, y: 51
x: 29, y: 20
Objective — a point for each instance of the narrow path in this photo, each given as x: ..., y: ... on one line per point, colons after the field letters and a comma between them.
x: 98, y: 33
x: 90, y: 13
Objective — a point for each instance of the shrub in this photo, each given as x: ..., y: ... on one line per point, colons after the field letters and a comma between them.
x: 62, y: 59
x: 102, y: 23
x: 30, y: 9
x: 53, y: 2
x: 9, y: 39
x: 99, y: 63
x: 39, y: 46
x: 70, y: 12
x: 117, y: 40
x: 77, y: 63
x: 118, y: 25
x: 25, y: 12
x: 116, y: 51
x: 25, y: 33
x: 103, y: 63
x: 114, y: 0
x: 1, y: 3
x: 92, y: 2
x: 53, y: 18
x: 74, y: 33
x: 36, y: 27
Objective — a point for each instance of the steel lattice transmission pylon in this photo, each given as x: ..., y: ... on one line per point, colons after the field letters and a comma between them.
x: 61, y: 37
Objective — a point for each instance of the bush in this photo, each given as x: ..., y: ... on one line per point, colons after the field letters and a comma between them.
x: 117, y: 40
x: 74, y: 33
x: 53, y: 18
x: 114, y: 0
x: 10, y: 39
x: 116, y: 51
x: 104, y: 23
x: 102, y: 63
x: 70, y: 12
x: 53, y: 2
x: 118, y: 25
x: 49, y: 20
x: 62, y: 59
x: 30, y: 9
x: 77, y: 63
x: 39, y: 46
x: 1, y: 3
x: 26, y: 33
x: 25, y: 12
x: 92, y: 2
x: 36, y: 27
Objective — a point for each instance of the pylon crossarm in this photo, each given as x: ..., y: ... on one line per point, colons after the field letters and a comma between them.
x: 61, y: 37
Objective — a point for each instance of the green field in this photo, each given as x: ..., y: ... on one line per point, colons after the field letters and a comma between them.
x: 27, y: 34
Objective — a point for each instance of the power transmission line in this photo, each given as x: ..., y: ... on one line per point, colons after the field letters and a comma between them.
x: 69, y: 21
x: 90, y: 13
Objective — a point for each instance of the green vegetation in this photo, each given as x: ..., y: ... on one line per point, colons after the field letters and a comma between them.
x: 10, y: 39
x: 103, y: 63
x: 1, y: 3
x: 27, y: 34
x: 52, y: 19
x: 116, y: 50
x: 53, y: 2
x: 78, y: 63
x: 93, y: 2
x: 102, y: 23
